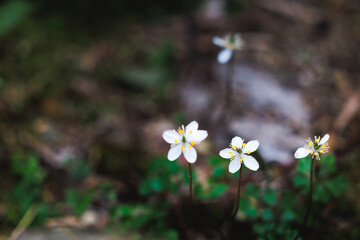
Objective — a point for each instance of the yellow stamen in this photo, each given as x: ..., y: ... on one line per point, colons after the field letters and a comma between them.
x: 241, y: 159
x: 232, y: 156
x: 308, y: 149
x: 310, y: 143
x: 193, y: 143
x: 244, y: 144
x: 317, y: 140
x: 324, y: 146
x: 248, y: 152
x: 230, y: 152
x: 311, y: 152
x: 176, y: 140
x: 181, y: 131
x: 315, y: 153
x: 233, y: 146
x: 190, y: 146
x: 182, y: 147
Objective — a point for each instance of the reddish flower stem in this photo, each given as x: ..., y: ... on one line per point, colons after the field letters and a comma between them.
x: 190, y: 185
x: 238, y: 194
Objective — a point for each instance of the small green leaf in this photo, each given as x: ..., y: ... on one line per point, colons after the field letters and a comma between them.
x: 270, y: 196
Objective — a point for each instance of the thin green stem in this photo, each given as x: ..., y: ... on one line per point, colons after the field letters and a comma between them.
x: 237, y: 195
x: 190, y: 185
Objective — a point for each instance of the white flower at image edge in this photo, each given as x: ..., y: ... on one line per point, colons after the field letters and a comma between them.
x: 315, y: 148
x: 239, y: 152
x: 183, y: 141
x: 230, y: 43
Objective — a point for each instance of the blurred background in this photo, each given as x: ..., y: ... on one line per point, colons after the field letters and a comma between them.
x: 88, y: 87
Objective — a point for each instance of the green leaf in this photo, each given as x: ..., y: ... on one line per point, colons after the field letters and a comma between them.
x: 267, y: 214
x: 301, y: 181
x: 252, y: 190
x: 270, y: 196
x: 288, y: 215
x: 327, y: 165
x: 218, y: 190
x: 304, y: 165
x: 11, y: 13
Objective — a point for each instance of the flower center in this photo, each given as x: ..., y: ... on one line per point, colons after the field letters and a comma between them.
x: 183, y: 139
x: 316, y: 146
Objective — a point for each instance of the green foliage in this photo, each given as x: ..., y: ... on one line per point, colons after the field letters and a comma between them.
x: 162, y: 176
x: 29, y: 176
x: 277, y: 212
x: 79, y: 199
x: 148, y: 217
x: 11, y: 13
x: 249, y: 201
x: 78, y: 168
x: 29, y: 170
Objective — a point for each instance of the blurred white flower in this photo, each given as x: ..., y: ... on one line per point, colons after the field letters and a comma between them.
x: 230, y: 43
x: 315, y: 148
x: 184, y: 140
x: 240, y: 152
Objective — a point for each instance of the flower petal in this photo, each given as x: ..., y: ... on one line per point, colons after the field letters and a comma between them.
x: 250, y: 162
x: 301, y: 153
x: 234, y: 165
x: 251, y: 146
x: 227, y: 153
x: 190, y: 153
x: 171, y: 136
x: 174, y: 152
x: 324, y: 139
x: 192, y: 127
x: 197, y: 137
x: 237, y: 142
x: 219, y: 41
x: 224, y: 56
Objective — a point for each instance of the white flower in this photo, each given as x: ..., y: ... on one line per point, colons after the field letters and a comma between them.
x: 230, y: 43
x: 184, y: 140
x: 315, y: 148
x: 240, y: 152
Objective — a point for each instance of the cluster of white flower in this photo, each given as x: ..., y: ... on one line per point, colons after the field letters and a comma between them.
x: 184, y: 139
